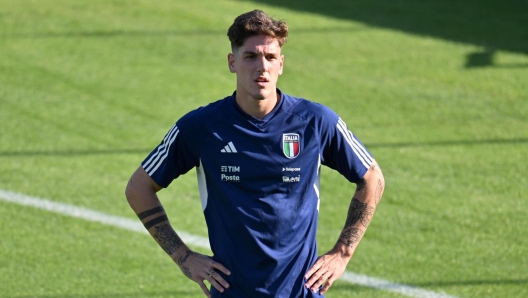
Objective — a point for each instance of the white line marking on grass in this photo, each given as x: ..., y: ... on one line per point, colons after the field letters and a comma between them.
x: 92, y: 215
x: 382, y: 284
x: 136, y: 226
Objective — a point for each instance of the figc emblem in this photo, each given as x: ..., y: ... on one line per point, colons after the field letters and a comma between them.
x: 291, y: 145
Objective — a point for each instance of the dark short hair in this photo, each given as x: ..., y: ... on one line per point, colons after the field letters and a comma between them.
x: 256, y: 22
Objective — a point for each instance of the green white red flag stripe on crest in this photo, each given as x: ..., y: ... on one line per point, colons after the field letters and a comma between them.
x: 291, y: 149
x: 290, y: 145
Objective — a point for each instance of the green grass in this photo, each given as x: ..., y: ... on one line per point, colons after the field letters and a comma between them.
x: 88, y: 89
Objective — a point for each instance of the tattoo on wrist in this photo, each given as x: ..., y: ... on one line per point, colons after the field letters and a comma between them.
x: 350, y: 237
x: 359, y: 212
x: 361, y: 185
x: 183, y: 258
x: 167, y: 238
x: 181, y: 262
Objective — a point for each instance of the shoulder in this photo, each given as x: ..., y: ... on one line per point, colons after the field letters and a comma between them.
x: 205, y: 115
x: 309, y: 110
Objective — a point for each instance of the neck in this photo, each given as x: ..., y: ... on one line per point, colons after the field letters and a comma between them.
x: 257, y: 108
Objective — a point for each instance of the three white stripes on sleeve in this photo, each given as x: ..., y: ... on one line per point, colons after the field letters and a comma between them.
x: 153, y: 163
x: 363, y: 155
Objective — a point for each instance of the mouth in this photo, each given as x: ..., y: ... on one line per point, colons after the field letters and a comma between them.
x: 261, y: 81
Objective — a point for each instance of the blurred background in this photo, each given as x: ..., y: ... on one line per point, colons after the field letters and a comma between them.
x: 436, y: 90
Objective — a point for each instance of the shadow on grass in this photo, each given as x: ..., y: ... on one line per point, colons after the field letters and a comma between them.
x: 485, y: 58
x: 492, y: 25
x: 159, y: 33
x: 116, y: 33
x: 73, y: 152
x: 359, y: 290
x: 448, y: 143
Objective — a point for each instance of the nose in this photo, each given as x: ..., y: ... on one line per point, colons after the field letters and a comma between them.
x: 262, y: 64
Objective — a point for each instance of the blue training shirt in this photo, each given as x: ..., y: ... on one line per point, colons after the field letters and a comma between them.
x: 259, y: 186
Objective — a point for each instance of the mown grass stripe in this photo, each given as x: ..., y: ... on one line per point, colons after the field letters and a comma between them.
x: 136, y: 226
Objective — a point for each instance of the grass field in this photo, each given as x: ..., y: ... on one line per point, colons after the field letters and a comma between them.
x: 88, y: 88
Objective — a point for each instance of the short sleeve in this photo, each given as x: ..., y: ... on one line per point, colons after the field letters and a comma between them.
x: 341, y: 149
x: 174, y: 156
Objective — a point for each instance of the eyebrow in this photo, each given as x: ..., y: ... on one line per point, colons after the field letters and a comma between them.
x: 257, y: 53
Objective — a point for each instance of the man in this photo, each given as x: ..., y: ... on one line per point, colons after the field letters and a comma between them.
x: 257, y: 155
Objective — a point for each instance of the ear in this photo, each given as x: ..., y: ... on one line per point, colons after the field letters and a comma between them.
x: 231, y: 62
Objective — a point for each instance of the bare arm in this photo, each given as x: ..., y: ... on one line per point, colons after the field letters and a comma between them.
x: 330, y: 266
x: 141, y: 195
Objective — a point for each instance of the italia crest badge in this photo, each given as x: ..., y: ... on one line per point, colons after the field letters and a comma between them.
x: 291, y: 145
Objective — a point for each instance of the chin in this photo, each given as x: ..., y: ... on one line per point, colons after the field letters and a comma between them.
x: 262, y: 95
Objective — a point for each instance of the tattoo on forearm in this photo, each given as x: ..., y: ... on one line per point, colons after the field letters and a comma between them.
x: 167, y: 238
x: 350, y: 236
x: 149, y: 224
x: 361, y: 185
x: 379, y: 191
x: 150, y: 212
x: 358, y: 212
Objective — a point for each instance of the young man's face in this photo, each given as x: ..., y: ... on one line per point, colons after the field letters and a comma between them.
x: 257, y: 64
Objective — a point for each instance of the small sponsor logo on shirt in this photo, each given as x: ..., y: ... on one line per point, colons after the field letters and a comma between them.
x: 291, y: 179
x: 288, y: 169
x: 230, y: 169
x: 229, y: 148
x: 230, y: 178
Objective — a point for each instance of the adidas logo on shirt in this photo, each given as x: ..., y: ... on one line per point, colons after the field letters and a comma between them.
x: 229, y: 148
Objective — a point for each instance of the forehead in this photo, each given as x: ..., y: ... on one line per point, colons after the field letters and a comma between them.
x: 260, y: 43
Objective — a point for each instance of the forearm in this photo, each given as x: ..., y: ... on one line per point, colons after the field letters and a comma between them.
x: 358, y: 219
x: 157, y: 223
x: 141, y: 195
x: 331, y: 265
x: 361, y: 210
x: 142, y: 198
